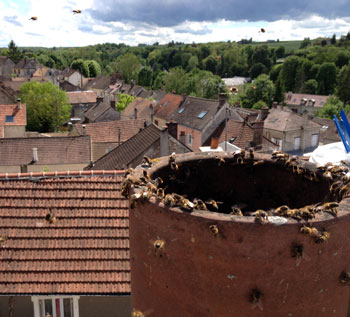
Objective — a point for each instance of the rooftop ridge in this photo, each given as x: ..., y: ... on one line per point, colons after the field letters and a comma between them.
x: 21, y: 176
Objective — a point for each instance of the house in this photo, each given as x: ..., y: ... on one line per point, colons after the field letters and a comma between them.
x: 328, y: 132
x: 243, y: 134
x: 105, y: 136
x: 25, y: 67
x: 292, y: 132
x: 101, y: 112
x: 301, y: 102
x: 73, y: 76
x: 46, y: 74
x: 81, y: 101
x: 166, y: 106
x: 68, y: 87
x: 99, y: 84
x: 7, y: 95
x: 139, y: 109
x: 151, y: 141
x: 197, y: 118
x: 37, y: 154
x: 13, y: 120
x: 6, y: 67
x: 77, y: 262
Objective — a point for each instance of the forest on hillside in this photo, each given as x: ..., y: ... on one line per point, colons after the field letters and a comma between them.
x: 319, y: 66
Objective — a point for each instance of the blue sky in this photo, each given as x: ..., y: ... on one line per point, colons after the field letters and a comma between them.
x: 148, y: 21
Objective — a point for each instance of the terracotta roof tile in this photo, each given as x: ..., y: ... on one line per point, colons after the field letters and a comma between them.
x: 143, y: 109
x: 86, y: 251
x: 53, y: 150
x: 76, y: 97
x: 167, y: 105
x: 109, y: 131
x: 19, y: 115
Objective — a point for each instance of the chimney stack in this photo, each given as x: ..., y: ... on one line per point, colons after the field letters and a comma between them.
x: 164, y: 143
x: 214, y: 144
x: 222, y: 99
x: 35, y: 154
x: 84, y: 129
x: 19, y: 104
x: 135, y: 113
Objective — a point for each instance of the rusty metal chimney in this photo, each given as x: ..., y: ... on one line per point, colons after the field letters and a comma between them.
x: 19, y: 104
x: 214, y: 143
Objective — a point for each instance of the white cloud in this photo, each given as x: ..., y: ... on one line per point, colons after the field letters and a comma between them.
x: 57, y: 26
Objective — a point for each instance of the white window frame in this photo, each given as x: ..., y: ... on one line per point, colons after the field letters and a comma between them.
x: 189, y: 139
x: 278, y: 142
x: 297, y: 143
x: 35, y: 300
x: 313, y: 136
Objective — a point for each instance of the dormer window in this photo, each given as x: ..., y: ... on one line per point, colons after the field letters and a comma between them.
x: 311, y: 102
x: 181, y: 110
x: 202, y: 114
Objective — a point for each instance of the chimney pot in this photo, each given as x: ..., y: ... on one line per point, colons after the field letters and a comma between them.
x: 18, y: 103
x: 35, y: 154
x: 222, y: 99
x: 214, y: 143
x: 135, y: 113
x: 84, y: 129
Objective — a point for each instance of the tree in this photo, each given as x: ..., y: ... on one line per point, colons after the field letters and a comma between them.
x: 333, y: 39
x: 332, y: 107
x: 343, y: 91
x: 257, y: 69
x: 145, y: 77
x: 94, y: 68
x: 47, y: 106
x: 259, y: 105
x: 174, y: 80
x: 82, y: 66
x: 128, y: 66
x: 305, y: 43
x: 279, y: 91
x: 280, y: 51
x: 123, y: 101
x: 326, y: 78
x: 13, y: 52
x: 289, y: 71
x: 309, y: 87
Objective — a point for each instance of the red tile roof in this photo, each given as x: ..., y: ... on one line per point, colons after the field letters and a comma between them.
x: 294, y: 99
x: 76, y: 97
x: 86, y: 251
x: 143, y: 109
x: 51, y: 150
x: 167, y: 106
x: 19, y: 115
x: 109, y: 131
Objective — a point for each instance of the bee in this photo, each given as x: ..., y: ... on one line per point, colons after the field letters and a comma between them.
x: 331, y: 207
x: 345, y: 278
x: 299, y: 253
x: 3, y: 238
x: 335, y: 186
x: 239, y: 160
x: 158, y: 244
x: 261, y: 216
x: 251, y: 153
x: 134, y: 198
x: 294, y: 213
x: 172, y: 157
x: 137, y: 313
x: 186, y: 204
x: 160, y: 193
x: 50, y: 218
x: 311, y: 231
x: 281, y: 211
x: 306, y: 212
x: 151, y: 187
x: 213, y: 204
x: 328, y: 175
x: 323, y: 237
x: 158, y: 181
x: 256, y: 299
x: 258, y: 162
x: 132, y: 179
x: 174, y: 166
x: 214, y: 230
x: 236, y: 211
x: 344, y: 191
x: 200, y: 205
x: 221, y: 161
x: 169, y: 200
x: 290, y: 161
x: 145, y: 177
x: 146, y: 161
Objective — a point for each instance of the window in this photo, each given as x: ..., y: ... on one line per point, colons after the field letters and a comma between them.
x: 202, y: 114
x: 278, y: 142
x: 9, y: 119
x: 232, y: 139
x: 297, y: 143
x: 56, y: 306
x: 181, y: 110
x: 190, y: 139
x: 314, y: 140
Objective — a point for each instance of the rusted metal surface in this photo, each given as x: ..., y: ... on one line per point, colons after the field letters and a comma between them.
x: 215, y: 264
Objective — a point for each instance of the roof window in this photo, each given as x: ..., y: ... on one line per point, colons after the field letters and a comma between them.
x: 9, y: 119
x: 181, y: 110
x: 202, y: 114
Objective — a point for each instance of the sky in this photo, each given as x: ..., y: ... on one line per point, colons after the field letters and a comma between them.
x: 148, y: 21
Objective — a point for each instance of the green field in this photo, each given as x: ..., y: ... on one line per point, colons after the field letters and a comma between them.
x: 289, y: 45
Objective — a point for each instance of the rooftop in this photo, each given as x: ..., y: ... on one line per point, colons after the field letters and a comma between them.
x: 76, y: 97
x: 84, y: 251
x: 167, y: 105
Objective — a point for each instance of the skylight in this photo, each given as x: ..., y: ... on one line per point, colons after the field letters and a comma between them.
x: 202, y: 114
x: 165, y: 103
x: 9, y: 119
x: 181, y: 110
